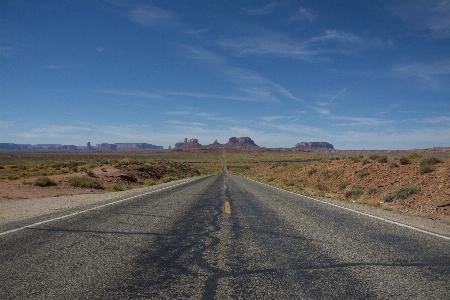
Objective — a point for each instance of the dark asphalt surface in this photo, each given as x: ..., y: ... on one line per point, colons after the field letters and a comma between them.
x: 223, y: 237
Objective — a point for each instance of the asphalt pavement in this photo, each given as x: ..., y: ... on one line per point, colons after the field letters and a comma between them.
x: 222, y: 237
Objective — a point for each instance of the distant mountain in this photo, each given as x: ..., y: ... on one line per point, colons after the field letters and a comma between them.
x: 233, y: 142
x: 313, y: 146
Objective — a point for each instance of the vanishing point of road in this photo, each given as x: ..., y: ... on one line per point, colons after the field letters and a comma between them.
x: 222, y: 237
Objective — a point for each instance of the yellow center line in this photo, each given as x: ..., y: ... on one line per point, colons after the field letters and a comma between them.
x: 227, y: 208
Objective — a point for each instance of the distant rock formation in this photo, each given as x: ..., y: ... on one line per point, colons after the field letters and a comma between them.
x: 242, y: 142
x: 192, y: 143
x: 88, y: 146
x: 313, y: 146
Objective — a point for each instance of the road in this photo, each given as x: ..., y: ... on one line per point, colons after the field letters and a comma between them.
x: 222, y: 237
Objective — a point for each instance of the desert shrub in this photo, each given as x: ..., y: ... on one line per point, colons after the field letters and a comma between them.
x: 90, y: 173
x: 405, y: 192
x: 426, y: 164
x: 115, y: 188
x: 149, y: 182
x: 353, y: 193
x: 312, y: 171
x: 326, y: 175
x: 383, y: 159
x: 374, y: 157
x: 43, y: 182
x: 413, y: 155
x: 337, y: 173
x: 364, y: 161
x: 322, y: 187
x: 429, y: 160
x: 425, y: 169
x: 404, y: 160
x: 393, y: 165
x: 84, y: 182
x: 354, y: 158
x: 372, y: 190
x: 343, y: 185
x: 387, y: 197
x: 362, y: 173
x: 146, y: 168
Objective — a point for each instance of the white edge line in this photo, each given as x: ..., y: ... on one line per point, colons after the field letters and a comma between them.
x: 97, y: 207
x: 359, y: 212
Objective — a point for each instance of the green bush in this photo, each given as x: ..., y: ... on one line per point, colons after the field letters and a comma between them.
x: 393, y: 165
x: 326, y: 175
x: 84, y: 182
x: 364, y: 161
x: 405, y: 192
x: 322, y: 187
x: 404, y: 160
x: 429, y: 160
x: 362, y: 173
x: 115, y: 188
x: 146, y: 168
x: 372, y: 190
x: 387, y: 197
x: 43, y: 182
x: 383, y: 159
x: 355, y: 158
x: 149, y: 182
x: 343, y: 185
x: 312, y: 171
x: 337, y: 173
x: 374, y: 157
x: 353, y: 193
x: 425, y: 169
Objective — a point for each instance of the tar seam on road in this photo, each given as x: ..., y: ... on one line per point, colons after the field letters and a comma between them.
x: 359, y: 212
x: 97, y: 207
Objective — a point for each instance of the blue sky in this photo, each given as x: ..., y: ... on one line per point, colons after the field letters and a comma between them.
x: 357, y: 74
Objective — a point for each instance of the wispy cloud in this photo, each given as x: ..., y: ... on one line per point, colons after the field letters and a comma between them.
x: 302, y: 14
x: 272, y: 118
x: 438, y: 120
x: 253, y: 86
x: 152, y: 17
x: 258, y: 11
x: 353, y: 121
x: 430, y: 15
x: 331, y: 41
x: 429, y: 73
x: 133, y: 93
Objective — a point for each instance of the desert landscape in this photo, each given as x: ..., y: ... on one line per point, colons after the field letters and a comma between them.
x: 415, y: 183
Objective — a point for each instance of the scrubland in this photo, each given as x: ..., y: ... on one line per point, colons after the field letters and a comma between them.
x: 408, y: 182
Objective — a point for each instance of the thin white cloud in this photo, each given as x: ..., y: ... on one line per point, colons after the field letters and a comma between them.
x: 152, y: 17
x: 429, y: 15
x: 182, y: 112
x: 359, y: 121
x: 331, y: 41
x: 265, y: 10
x: 438, y: 120
x: 133, y: 93
x: 272, y: 118
x: 429, y: 73
x: 183, y: 123
x: 302, y: 14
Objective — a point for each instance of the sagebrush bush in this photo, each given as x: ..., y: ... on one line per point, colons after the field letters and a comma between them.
x: 149, y: 182
x: 43, y: 182
x: 364, y: 161
x: 326, y: 175
x: 362, y: 173
x: 343, y: 185
x: 404, y: 160
x: 337, y: 173
x: 387, y: 197
x: 312, y: 171
x: 353, y: 193
x: 425, y: 169
x: 393, y: 165
x: 374, y: 157
x: 84, y: 182
x: 429, y: 160
x: 322, y: 187
x: 383, y: 159
x: 372, y: 190
x: 405, y: 192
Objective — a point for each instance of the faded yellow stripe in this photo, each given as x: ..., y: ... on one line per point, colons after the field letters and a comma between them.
x: 227, y: 208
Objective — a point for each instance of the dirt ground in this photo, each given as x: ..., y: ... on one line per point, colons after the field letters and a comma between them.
x: 374, y: 179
